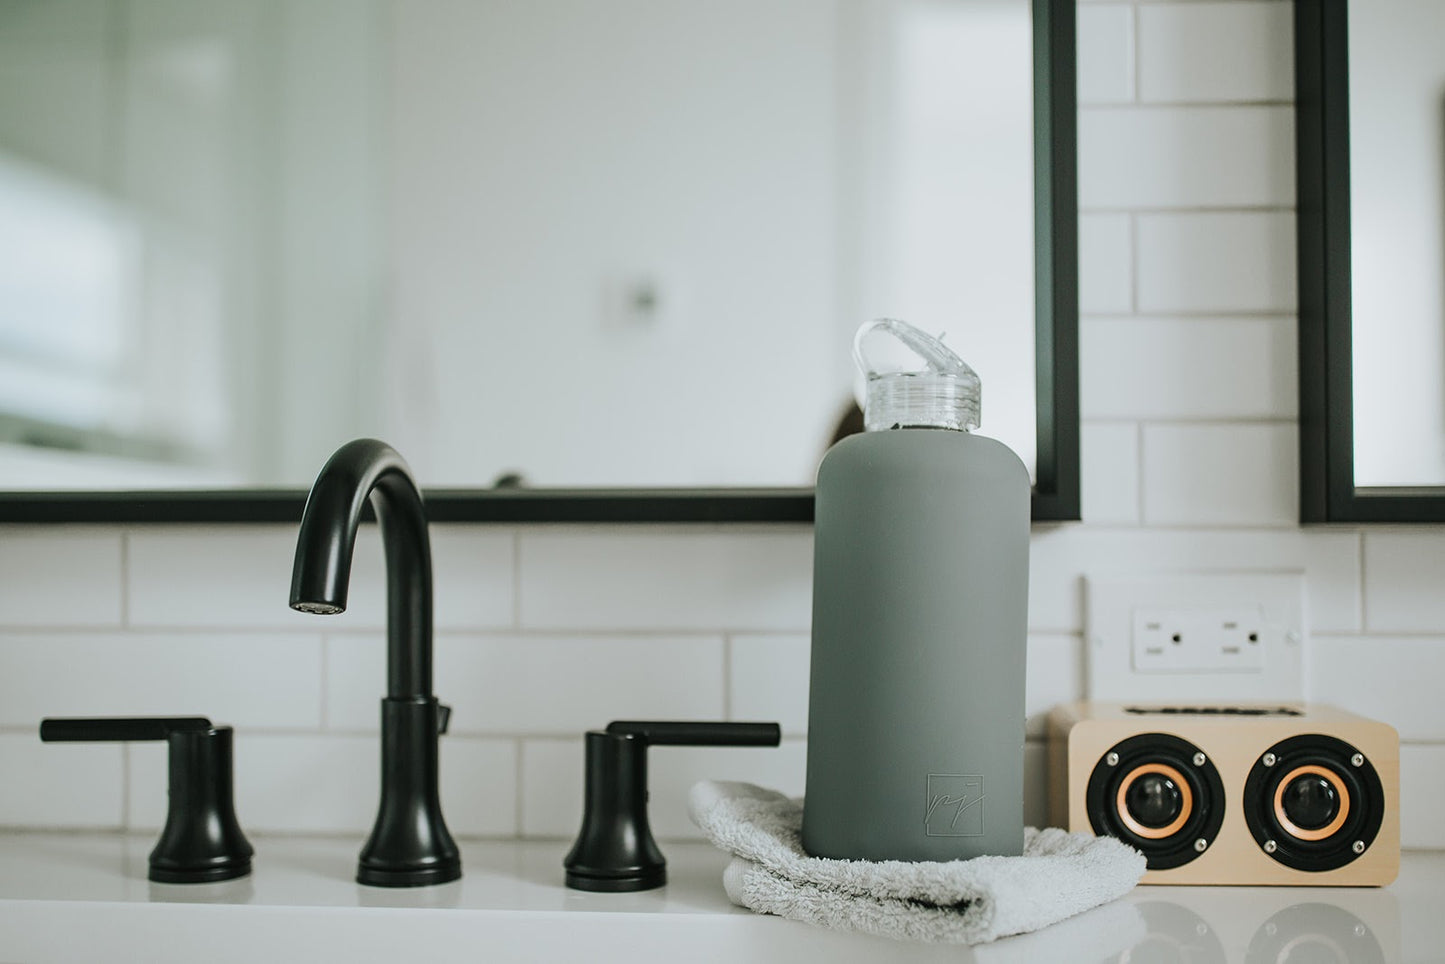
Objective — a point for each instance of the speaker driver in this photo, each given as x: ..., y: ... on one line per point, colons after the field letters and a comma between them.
x: 1158, y: 793
x: 1313, y: 802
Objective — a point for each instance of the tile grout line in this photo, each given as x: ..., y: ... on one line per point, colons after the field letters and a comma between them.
x: 1135, y: 39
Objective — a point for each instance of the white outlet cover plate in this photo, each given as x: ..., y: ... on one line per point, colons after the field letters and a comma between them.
x: 1117, y: 605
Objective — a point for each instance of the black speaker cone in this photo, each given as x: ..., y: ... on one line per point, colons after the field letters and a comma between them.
x: 1313, y: 802
x: 1154, y: 800
x: 1310, y: 802
x: 1159, y: 793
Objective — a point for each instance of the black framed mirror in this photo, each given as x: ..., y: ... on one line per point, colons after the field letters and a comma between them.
x: 1371, y: 225
x: 1052, y: 343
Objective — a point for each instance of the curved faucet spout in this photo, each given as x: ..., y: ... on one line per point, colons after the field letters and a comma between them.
x: 409, y: 845
x: 360, y: 471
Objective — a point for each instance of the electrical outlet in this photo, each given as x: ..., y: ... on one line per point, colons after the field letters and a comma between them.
x: 1198, y: 640
x: 1211, y: 637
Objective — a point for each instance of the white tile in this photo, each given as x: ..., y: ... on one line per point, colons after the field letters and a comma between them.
x: 1054, y: 675
x: 1229, y: 51
x: 1371, y: 675
x: 769, y: 680
x: 250, y: 680
x: 1186, y: 157
x: 1106, y: 264
x: 330, y: 784
x: 1239, y: 474
x: 1106, y: 53
x: 66, y: 785
x: 1060, y: 556
x: 1422, y: 787
x: 1405, y: 581
x: 1188, y: 368
x: 51, y: 577
x: 228, y: 576
x: 552, y: 779
x: 757, y: 579
x: 1109, y: 472
x: 563, y: 685
x: 1238, y: 261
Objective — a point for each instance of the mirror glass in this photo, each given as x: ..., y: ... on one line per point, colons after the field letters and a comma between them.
x: 548, y: 242
x: 1397, y: 215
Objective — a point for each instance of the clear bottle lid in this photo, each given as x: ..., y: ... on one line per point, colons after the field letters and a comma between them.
x: 944, y: 394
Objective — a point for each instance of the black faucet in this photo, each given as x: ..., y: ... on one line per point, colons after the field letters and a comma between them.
x: 409, y: 845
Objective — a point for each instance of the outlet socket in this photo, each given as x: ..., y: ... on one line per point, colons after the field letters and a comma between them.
x: 1198, y: 640
x: 1196, y: 637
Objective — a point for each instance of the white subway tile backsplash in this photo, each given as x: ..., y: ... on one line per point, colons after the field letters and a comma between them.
x: 1109, y: 472
x: 1186, y: 157
x: 256, y: 680
x: 330, y: 784
x: 1422, y: 787
x: 1059, y: 556
x: 1363, y: 674
x: 59, y: 785
x: 1405, y: 580
x: 1188, y: 368
x: 552, y: 778
x: 1106, y: 264
x: 190, y: 576
x: 1226, y: 51
x: 1054, y: 675
x: 768, y: 680
x: 1217, y: 261
x: 733, y: 579
x: 534, y: 685
x: 1230, y: 474
x: 1106, y: 53
x: 54, y: 577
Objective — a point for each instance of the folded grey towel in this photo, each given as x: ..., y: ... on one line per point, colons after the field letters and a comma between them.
x: 961, y: 901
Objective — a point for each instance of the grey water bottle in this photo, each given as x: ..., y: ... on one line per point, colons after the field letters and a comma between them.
x: 920, y: 598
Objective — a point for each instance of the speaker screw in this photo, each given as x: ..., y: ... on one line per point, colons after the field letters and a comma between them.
x: 1200, y: 844
x: 1361, y: 930
x: 1271, y: 928
x: 1358, y: 846
x: 1112, y: 759
x: 1269, y: 759
x: 1199, y: 759
x: 1270, y: 846
x: 1357, y: 760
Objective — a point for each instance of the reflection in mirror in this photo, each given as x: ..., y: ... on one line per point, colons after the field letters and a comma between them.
x: 584, y: 244
x: 1397, y: 215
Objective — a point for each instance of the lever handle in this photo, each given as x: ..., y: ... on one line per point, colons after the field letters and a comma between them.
x: 614, y: 850
x: 689, y: 733
x: 104, y: 729
x: 201, y: 841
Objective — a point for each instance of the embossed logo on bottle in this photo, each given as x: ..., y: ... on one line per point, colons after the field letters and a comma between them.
x: 955, y: 805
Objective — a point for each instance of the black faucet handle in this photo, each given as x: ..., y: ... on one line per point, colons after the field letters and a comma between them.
x: 614, y: 850
x: 201, y: 841
x: 691, y: 733
x: 104, y: 729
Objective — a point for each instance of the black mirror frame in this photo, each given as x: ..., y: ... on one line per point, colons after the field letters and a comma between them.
x: 1328, y: 492
x: 1056, y: 493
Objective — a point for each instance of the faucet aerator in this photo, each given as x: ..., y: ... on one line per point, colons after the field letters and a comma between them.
x: 318, y: 608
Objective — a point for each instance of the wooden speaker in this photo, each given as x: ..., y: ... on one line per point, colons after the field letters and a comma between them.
x: 1304, y: 794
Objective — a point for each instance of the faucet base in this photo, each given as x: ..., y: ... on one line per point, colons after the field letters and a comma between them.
x: 409, y: 876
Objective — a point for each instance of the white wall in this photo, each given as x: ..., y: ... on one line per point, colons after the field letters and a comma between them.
x: 1189, y: 442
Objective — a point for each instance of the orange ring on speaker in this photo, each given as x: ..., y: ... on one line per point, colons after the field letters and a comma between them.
x: 1329, y: 829
x: 1186, y: 803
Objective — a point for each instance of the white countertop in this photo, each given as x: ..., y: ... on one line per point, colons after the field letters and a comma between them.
x: 84, y: 897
